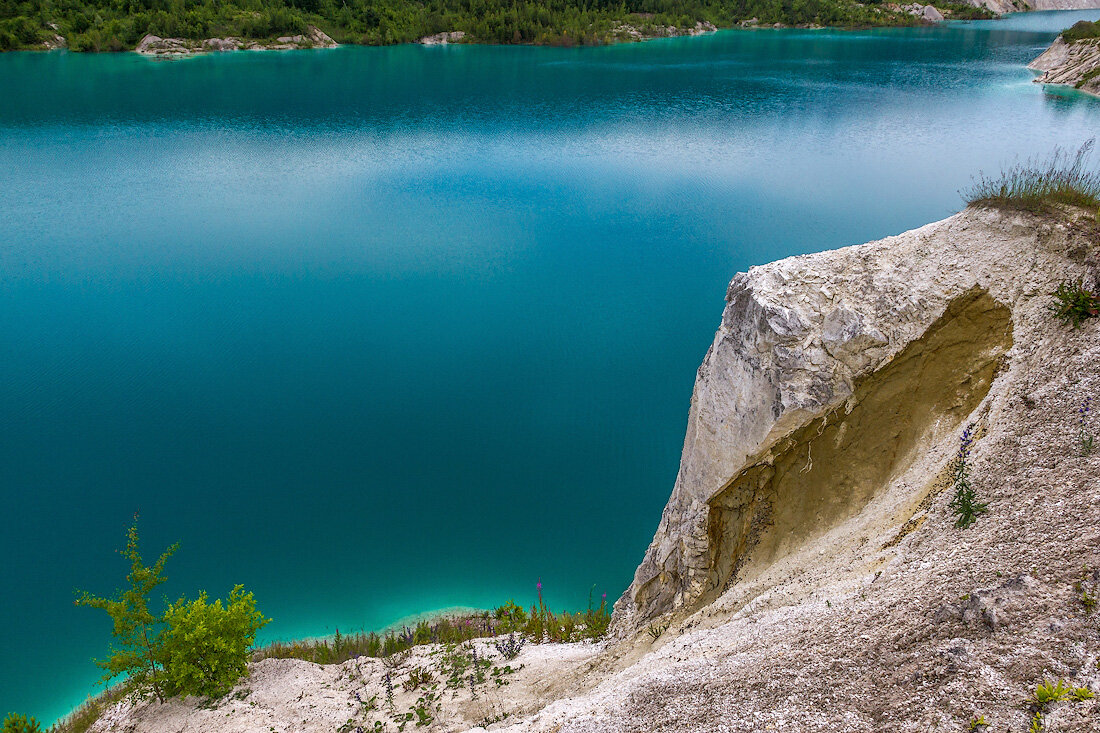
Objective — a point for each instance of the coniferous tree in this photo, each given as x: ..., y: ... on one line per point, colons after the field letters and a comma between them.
x: 136, y: 630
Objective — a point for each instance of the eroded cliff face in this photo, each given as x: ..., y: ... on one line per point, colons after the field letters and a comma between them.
x: 1071, y: 64
x: 1015, y: 6
x: 828, y: 375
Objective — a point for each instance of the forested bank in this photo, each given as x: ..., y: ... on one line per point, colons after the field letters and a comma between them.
x: 118, y: 25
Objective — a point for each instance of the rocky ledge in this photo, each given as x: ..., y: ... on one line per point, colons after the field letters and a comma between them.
x: 1074, y: 64
x: 152, y: 45
x: 629, y: 32
x: 442, y: 39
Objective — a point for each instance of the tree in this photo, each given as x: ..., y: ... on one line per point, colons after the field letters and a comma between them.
x: 20, y: 724
x: 205, y: 647
x: 136, y: 629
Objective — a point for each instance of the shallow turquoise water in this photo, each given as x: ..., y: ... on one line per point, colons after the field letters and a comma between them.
x: 375, y: 331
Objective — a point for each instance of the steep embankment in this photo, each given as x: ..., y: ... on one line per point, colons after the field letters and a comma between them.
x: 1000, y: 7
x: 1073, y: 63
x: 807, y: 574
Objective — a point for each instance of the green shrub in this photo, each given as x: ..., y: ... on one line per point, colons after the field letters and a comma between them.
x: 1081, y: 30
x: 1074, y: 303
x: 193, y: 648
x: 205, y: 647
x: 510, y: 617
x: 20, y: 724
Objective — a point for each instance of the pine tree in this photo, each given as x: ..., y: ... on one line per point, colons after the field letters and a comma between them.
x: 136, y: 630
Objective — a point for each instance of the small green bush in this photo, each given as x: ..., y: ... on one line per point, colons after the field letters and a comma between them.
x: 205, y: 647
x: 20, y: 724
x: 1074, y: 304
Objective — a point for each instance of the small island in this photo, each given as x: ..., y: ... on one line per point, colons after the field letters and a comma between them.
x: 1073, y: 59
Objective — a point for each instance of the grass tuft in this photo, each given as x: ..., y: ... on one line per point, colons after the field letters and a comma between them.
x: 1041, y: 185
x: 537, y: 625
x: 82, y: 718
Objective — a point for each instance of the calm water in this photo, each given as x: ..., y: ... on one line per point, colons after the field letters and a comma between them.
x: 375, y: 331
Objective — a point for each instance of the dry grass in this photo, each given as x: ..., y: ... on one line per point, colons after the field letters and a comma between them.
x: 1041, y: 186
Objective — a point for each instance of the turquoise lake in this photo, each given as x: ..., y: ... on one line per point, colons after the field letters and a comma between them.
x: 375, y: 331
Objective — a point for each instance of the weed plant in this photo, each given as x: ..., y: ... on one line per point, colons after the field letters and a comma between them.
x: 965, y: 502
x: 1074, y: 304
x: 510, y: 646
x: 1085, y: 437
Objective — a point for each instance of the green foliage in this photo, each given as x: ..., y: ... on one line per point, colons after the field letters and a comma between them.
x: 193, y: 648
x: 964, y: 11
x: 1050, y: 692
x: 510, y: 617
x: 1086, y: 591
x: 135, y: 652
x: 656, y: 630
x: 977, y: 722
x: 205, y: 647
x: 1080, y: 694
x: 418, y: 676
x: 1039, y: 185
x: 1081, y: 30
x: 14, y: 723
x: 109, y: 25
x: 1074, y: 304
x: 965, y: 502
x: 538, y: 625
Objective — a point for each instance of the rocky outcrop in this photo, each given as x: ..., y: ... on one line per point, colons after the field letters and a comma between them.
x: 924, y: 12
x: 442, y: 39
x: 1074, y: 64
x: 152, y: 45
x: 628, y: 32
x: 787, y: 395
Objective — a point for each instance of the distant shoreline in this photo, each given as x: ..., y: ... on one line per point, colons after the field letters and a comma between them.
x: 568, y: 27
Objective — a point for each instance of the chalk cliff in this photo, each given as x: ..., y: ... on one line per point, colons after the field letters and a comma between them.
x: 807, y: 573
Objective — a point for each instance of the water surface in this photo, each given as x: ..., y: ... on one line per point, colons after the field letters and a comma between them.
x: 379, y: 330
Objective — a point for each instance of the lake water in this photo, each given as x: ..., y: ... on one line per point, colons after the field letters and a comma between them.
x: 381, y: 330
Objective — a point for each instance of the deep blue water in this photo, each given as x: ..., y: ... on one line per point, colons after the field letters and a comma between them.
x: 380, y: 330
